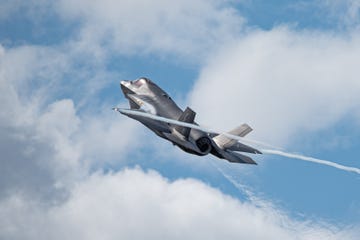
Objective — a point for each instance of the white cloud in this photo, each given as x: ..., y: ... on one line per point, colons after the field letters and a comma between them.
x: 33, y: 8
x: 47, y: 141
x: 185, y: 28
x: 345, y: 12
x: 108, y: 138
x: 132, y: 204
x: 281, y: 82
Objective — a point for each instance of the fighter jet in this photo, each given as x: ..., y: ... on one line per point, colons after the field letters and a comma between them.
x: 154, y: 108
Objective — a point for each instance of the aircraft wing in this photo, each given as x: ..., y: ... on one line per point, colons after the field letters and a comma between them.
x: 224, y: 143
x: 155, y: 125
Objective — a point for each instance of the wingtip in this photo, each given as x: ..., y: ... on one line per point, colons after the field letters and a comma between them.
x: 251, y: 161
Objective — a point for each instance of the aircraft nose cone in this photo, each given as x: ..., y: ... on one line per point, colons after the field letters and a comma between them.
x: 123, y: 82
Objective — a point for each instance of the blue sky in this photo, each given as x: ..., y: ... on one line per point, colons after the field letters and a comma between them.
x: 288, y: 68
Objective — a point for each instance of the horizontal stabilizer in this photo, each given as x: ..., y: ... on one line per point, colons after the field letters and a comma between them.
x: 232, y: 156
x: 239, y: 158
x: 225, y: 142
x: 242, y: 130
x: 187, y: 116
x: 238, y: 146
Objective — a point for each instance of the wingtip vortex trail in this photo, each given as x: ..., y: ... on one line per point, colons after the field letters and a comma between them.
x: 311, y: 159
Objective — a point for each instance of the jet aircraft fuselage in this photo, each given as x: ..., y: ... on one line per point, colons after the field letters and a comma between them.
x: 145, y: 96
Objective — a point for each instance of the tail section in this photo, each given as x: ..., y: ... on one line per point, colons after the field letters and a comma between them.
x: 224, y: 142
x: 224, y: 147
x: 232, y: 156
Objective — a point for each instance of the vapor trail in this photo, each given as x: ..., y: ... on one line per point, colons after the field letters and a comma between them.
x: 311, y: 159
x: 241, y: 139
x: 237, y: 185
x: 235, y: 182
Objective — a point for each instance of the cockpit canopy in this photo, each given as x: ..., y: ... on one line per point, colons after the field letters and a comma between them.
x: 145, y: 86
x: 141, y: 81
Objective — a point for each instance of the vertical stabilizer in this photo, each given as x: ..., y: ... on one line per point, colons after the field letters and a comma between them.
x: 187, y: 116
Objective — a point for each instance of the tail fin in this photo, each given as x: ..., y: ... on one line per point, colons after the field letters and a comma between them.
x: 187, y: 116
